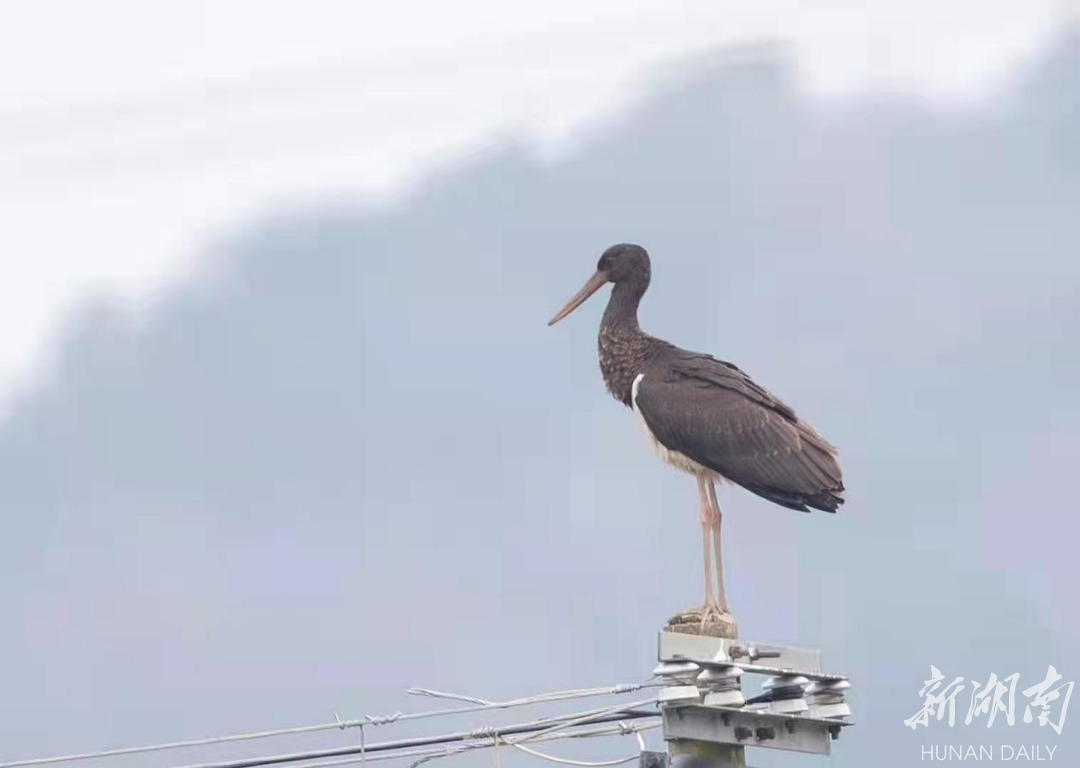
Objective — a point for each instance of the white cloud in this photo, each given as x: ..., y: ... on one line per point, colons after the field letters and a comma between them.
x: 130, y: 132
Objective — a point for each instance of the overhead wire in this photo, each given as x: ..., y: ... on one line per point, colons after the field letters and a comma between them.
x: 567, y: 721
x: 569, y: 761
x: 338, y: 723
x: 443, y: 751
x: 529, y: 730
x: 537, y: 753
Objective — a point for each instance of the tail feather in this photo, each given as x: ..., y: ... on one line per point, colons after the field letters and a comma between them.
x: 826, y: 501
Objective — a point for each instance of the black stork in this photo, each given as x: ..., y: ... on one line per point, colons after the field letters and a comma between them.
x: 705, y: 416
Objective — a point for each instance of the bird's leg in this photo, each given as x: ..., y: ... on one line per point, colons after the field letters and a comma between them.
x: 716, y: 517
x: 710, y: 609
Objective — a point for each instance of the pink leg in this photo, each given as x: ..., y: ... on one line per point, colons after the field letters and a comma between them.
x: 716, y: 518
x: 706, y: 526
x: 710, y: 611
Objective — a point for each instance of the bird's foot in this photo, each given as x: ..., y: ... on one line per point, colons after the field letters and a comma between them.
x: 710, y: 619
x: 712, y: 613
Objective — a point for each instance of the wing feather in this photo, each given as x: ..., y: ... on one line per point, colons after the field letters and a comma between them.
x: 718, y: 416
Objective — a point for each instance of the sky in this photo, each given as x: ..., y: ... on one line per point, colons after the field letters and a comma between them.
x: 134, y: 134
x: 327, y: 447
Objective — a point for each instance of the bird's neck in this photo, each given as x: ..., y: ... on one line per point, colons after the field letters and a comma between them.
x: 623, y: 346
x: 622, y: 307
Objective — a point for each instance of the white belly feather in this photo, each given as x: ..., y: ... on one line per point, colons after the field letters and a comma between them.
x: 668, y: 456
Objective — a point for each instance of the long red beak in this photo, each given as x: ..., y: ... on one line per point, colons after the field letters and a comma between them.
x: 592, y: 285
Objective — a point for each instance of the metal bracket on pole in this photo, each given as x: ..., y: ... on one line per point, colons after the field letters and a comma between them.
x: 801, y: 708
x: 749, y: 728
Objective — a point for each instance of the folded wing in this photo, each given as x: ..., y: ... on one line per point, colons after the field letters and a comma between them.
x: 712, y: 412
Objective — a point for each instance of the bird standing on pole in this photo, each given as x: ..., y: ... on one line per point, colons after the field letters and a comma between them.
x: 705, y: 416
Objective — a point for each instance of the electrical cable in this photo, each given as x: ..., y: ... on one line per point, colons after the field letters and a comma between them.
x: 593, y: 733
x: 343, y: 724
x: 531, y: 729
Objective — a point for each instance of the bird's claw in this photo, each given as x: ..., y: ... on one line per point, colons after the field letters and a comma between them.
x: 711, y: 612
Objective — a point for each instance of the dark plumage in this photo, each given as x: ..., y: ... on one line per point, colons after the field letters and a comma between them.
x: 705, y: 415
x: 713, y: 413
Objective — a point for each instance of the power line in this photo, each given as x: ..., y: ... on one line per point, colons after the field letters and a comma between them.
x: 532, y: 729
x: 621, y: 730
x: 541, y: 755
x: 568, y: 761
x: 480, y: 705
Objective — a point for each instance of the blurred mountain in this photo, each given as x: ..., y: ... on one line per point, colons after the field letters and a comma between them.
x: 347, y: 456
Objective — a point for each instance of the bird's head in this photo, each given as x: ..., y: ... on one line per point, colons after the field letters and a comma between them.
x: 624, y: 264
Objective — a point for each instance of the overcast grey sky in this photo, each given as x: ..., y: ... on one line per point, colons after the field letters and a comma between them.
x: 345, y: 455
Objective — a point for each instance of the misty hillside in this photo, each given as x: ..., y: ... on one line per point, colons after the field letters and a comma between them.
x: 347, y: 455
